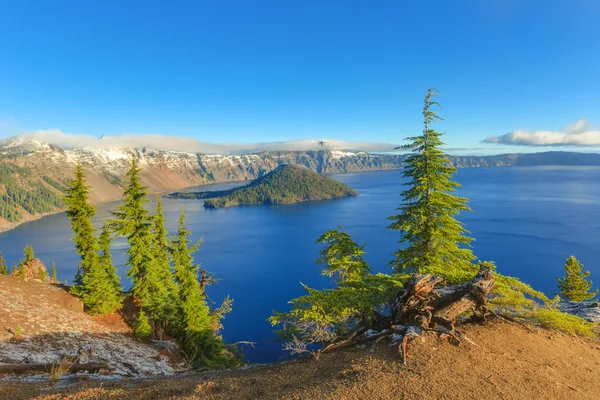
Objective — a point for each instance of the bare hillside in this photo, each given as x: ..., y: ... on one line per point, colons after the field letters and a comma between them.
x: 41, y: 322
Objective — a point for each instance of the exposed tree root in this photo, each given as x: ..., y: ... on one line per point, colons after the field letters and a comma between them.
x: 421, y: 307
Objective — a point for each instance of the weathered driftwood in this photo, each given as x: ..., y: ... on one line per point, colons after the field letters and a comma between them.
x: 47, y: 367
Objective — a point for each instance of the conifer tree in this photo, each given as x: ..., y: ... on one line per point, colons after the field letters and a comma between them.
x: 13, y: 268
x: 97, y: 292
x: 142, y: 328
x: 574, y: 286
x: 197, y: 337
x: 106, y: 258
x: 131, y: 219
x: 165, y: 301
x: 342, y: 256
x: 53, y: 274
x: 92, y: 283
x: 437, y: 243
x: 3, y: 266
x: 28, y: 252
x: 80, y: 212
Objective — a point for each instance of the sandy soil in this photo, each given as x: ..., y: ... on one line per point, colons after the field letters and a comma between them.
x: 504, y: 361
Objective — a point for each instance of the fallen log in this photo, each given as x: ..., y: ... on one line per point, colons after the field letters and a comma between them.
x: 47, y: 367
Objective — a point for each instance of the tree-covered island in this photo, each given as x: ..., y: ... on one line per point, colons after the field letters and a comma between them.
x: 286, y: 184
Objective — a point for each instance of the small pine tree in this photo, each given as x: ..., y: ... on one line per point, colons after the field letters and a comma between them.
x: 197, y: 337
x: 164, y: 302
x: 142, y: 328
x: 29, y: 254
x: 13, y: 269
x: 97, y: 291
x: 574, y: 286
x: 437, y: 242
x: 22, y: 273
x: 342, y: 256
x: 53, y: 274
x: 3, y: 266
x: 106, y: 258
x: 42, y: 275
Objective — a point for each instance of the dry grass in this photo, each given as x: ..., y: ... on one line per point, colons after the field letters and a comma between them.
x: 58, y: 369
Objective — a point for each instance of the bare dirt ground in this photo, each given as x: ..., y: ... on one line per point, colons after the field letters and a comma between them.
x: 504, y: 361
x: 50, y: 322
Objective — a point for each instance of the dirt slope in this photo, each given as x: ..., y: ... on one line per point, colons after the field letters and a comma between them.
x: 51, y: 323
x: 505, y: 361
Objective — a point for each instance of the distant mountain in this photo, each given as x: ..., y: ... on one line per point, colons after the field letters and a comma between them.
x: 527, y: 159
x: 33, y: 174
x: 286, y: 184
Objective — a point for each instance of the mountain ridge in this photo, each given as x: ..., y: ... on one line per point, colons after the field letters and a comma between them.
x: 34, y: 172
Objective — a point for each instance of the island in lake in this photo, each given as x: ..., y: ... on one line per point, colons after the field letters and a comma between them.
x: 286, y: 184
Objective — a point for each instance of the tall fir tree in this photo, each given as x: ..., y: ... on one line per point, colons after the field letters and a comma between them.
x: 80, y: 212
x: 91, y: 282
x: 3, y: 266
x: 131, y: 220
x: 106, y: 258
x: 197, y: 336
x: 574, y: 286
x: 166, y: 300
x: 437, y: 243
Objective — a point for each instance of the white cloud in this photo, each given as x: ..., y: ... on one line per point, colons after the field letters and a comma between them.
x: 579, y: 133
x: 174, y: 143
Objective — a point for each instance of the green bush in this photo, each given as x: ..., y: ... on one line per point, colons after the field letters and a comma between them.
x: 517, y: 299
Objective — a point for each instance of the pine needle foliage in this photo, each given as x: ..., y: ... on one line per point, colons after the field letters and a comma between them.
x: 92, y: 283
x: 80, y: 213
x: 29, y: 254
x: 53, y: 274
x: 358, y: 296
x: 197, y: 337
x: 437, y: 243
x: 141, y: 327
x: 106, y: 258
x: 3, y: 266
x: 517, y: 299
x: 165, y: 301
x: 342, y: 256
x: 574, y: 286
x: 131, y: 220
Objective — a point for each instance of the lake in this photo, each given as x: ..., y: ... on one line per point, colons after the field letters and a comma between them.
x: 526, y: 219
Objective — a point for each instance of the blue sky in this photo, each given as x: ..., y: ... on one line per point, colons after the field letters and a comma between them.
x: 259, y: 71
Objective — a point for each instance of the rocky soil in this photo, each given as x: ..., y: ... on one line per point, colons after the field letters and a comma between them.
x: 40, y: 322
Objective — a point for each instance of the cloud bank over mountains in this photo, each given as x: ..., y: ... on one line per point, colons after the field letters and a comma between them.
x: 184, y: 144
x: 580, y: 133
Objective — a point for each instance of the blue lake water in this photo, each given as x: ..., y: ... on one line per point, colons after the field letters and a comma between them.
x: 526, y: 219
